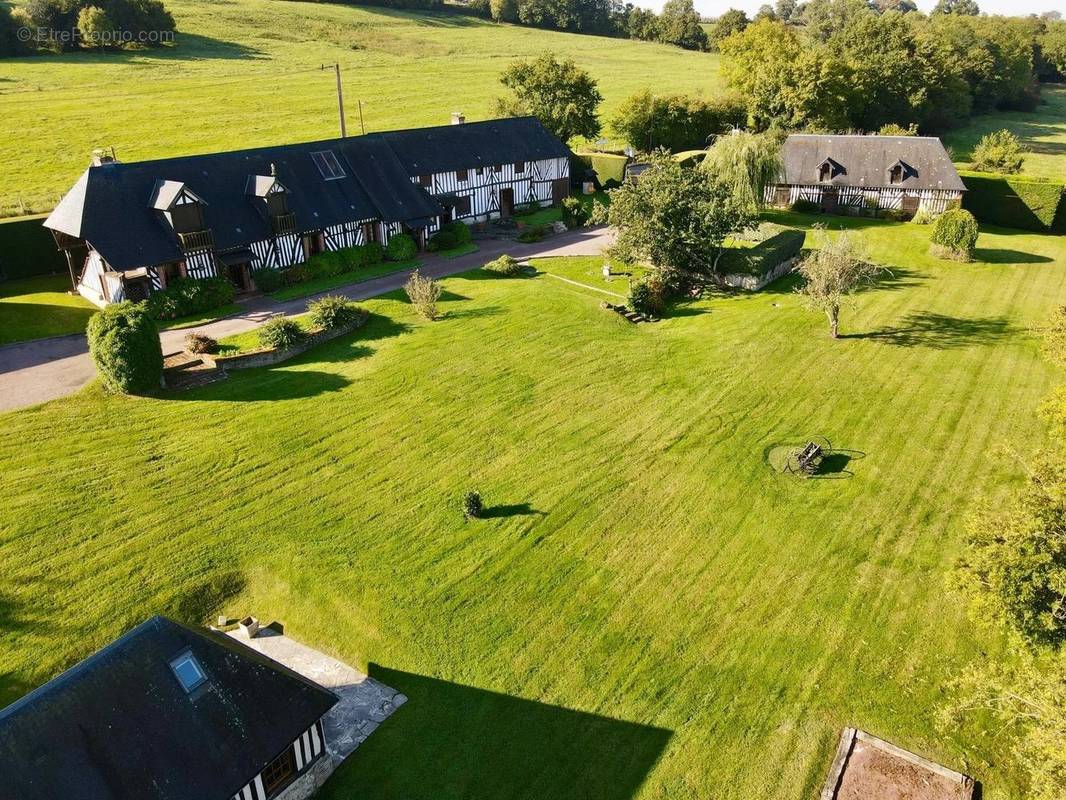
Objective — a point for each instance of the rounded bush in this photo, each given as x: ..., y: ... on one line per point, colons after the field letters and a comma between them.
x: 333, y: 311
x: 280, y: 333
x: 441, y: 240
x: 326, y: 265
x: 460, y: 231
x: 186, y: 296
x: 504, y: 265
x: 955, y: 234
x: 124, y: 345
x: 647, y: 295
x: 373, y: 253
x: 401, y: 247
x: 267, y: 279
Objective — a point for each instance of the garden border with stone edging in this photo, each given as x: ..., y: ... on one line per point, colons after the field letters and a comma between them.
x: 268, y: 357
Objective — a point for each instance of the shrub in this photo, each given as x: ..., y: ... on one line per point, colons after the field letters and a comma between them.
x: 504, y: 265
x: 923, y: 217
x: 401, y: 247
x: 186, y: 296
x: 124, y: 345
x: 763, y: 257
x: 534, y: 233
x: 267, y: 279
x: 423, y: 293
x: 441, y: 240
x: 999, y: 151
x: 328, y: 264
x: 575, y: 214
x: 955, y: 234
x: 366, y: 255
x: 471, y: 505
x: 802, y: 206
x: 647, y: 295
x: 460, y: 230
x: 200, y: 343
x: 333, y: 311
x: 280, y: 333
x: 298, y: 273
x: 1013, y: 201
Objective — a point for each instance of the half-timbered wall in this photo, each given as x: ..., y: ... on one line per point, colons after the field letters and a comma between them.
x: 200, y: 264
x: 306, y: 749
x: 935, y: 201
x: 532, y: 185
x: 278, y: 252
x: 347, y: 234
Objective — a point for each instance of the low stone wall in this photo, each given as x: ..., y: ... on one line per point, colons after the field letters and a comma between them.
x: 752, y: 283
x: 270, y: 357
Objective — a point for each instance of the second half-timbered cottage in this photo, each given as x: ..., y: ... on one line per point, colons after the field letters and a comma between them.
x: 900, y: 173
x: 168, y: 712
x: 130, y: 228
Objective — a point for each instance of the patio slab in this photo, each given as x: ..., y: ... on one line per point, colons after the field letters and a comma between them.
x: 364, y: 702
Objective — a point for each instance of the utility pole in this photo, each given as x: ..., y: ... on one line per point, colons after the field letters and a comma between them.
x: 340, y: 97
x: 362, y: 127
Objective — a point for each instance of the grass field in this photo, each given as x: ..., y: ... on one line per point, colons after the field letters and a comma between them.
x: 32, y: 308
x: 649, y: 610
x: 245, y: 73
x: 1042, y: 132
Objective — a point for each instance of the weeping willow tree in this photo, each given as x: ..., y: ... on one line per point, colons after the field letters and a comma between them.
x: 747, y: 163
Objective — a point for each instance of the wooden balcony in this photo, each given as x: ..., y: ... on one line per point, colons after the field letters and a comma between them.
x: 284, y: 224
x: 196, y: 240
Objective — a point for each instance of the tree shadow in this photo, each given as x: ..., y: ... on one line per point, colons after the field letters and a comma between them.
x: 995, y: 255
x: 266, y: 384
x: 186, y: 47
x: 474, y: 313
x: 511, y: 510
x: 454, y: 742
x: 940, y: 332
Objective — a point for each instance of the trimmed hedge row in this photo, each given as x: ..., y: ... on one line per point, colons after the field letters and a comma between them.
x: 1014, y: 201
x: 27, y: 249
x: 610, y: 168
x: 764, y: 256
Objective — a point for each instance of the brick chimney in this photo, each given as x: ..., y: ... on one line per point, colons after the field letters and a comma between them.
x: 458, y: 118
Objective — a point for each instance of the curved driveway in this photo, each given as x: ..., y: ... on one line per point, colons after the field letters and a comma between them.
x: 44, y: 369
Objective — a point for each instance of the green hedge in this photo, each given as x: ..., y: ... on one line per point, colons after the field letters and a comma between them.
x: 1014, y: 201
x: 763, y: 257
x: 27, y: 249
x: 610, y: 168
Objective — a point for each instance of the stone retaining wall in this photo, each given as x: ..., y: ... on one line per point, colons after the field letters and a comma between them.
x: 270, y: 357
x: 752, y: 283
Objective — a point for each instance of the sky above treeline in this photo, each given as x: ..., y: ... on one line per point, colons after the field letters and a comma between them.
x: 712, y: 8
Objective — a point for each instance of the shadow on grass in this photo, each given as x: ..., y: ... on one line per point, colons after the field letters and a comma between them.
x: 270, y: 383
x: 939, y: 331
x: 186, y: 47
x: 995, y: 255
x: 454, y: 742
x: 511, y: 510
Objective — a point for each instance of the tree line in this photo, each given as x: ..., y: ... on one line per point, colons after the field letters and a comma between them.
x: 836, y: 65
x: 70, y: 25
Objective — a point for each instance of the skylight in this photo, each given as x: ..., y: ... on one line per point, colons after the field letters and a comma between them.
x: 188, y: 671
x: 328, y: 165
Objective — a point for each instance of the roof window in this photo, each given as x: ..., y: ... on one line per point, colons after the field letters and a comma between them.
x: 188, y: 672
x: 328, y: 165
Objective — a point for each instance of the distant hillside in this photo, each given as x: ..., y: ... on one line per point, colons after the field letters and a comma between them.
x: 244, y: 73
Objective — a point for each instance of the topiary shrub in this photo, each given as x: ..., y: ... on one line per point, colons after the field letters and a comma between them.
x: 333, y: 311
x: 200, y: 343
x: 124, y: 345
x: 267, y: 279
x: 401, y: 247
x: 280, y: 333
x: 471, y: 505
x: 954, y: 235
x: 505, y: 266
x: 441, y: 240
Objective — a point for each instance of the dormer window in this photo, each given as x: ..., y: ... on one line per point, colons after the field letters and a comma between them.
x: 277, y: 203
x: 182, y: 207
x: 828, y: 170
x: 899, y: 172
x: 188, y: 671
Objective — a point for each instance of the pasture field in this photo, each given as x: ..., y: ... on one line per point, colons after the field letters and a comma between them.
x: 649, y: 610
x: 245, y: 73
x: 1042, y: 133
x: 32, y: 308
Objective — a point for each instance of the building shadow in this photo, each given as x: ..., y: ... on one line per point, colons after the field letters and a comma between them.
x: 940, y: 332
x: 996, y: 255
x: 455, y: 742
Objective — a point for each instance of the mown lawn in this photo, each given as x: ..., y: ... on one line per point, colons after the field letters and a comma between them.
x: 245, y: 73
x: 1042, y: 133
x: 32, y: 308
x: 649, y: 610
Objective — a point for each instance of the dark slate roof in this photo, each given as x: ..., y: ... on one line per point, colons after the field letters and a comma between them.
x: 866, y: 160
x: 119, y: 725
x: 109, y: 206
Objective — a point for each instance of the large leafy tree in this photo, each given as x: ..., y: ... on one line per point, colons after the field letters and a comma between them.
x: 679, y: 24
x: 967, y: 8
x: 747, y: 163
x: 675, y: 218
x: 560, y: 94
x: 1053, y: 46
x: 674, y: 121
x: 732, y: 21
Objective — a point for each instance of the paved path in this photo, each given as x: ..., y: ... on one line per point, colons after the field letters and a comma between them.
x: 37, y: 371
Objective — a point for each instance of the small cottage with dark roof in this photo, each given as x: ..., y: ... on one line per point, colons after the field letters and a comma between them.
x: 167, y: 712
x: 906, y: 174
x: 131, y: 228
